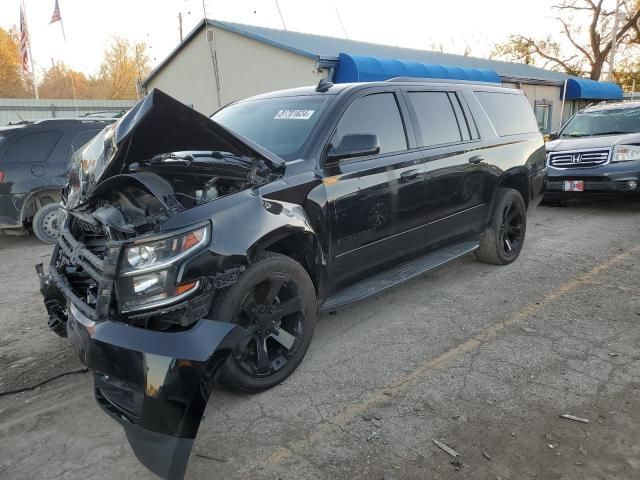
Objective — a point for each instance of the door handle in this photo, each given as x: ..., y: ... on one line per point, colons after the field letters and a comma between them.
x: 410, y: 174
x: 476, y: 159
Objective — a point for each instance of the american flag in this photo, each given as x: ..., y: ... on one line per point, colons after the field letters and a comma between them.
x: 56, y: 17
x: 24, y: 39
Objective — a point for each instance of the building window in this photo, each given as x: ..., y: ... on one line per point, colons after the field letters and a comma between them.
x: 542, y: 109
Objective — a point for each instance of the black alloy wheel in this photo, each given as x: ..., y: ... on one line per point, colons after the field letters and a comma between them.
x: 511, y: 231
x: 272, y: 313
x: 502, y: 240
x: 274, y: 300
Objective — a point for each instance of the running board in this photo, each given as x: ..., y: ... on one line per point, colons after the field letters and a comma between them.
x: 398, y: 274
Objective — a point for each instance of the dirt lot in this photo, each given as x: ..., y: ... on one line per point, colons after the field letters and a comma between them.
x: 482, y: 358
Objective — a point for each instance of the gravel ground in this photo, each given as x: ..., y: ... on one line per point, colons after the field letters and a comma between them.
x: 481, y: 358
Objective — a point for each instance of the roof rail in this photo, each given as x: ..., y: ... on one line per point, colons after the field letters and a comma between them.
x: 73, y: 119
x: 324, y: 85
x: 441, y: 80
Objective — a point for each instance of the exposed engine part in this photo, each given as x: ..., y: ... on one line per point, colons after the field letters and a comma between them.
x: 128, y: 205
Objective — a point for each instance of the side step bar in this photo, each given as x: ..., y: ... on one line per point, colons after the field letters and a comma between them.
x: 399, y: 274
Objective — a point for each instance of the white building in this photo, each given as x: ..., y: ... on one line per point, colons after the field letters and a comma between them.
x: 220, y: 62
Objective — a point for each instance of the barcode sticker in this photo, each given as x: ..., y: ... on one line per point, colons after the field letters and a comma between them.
x: 294, y: 114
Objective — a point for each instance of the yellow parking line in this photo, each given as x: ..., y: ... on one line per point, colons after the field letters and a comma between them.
x: 381, y: 396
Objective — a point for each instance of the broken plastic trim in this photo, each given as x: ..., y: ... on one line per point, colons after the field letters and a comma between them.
x: 155, y: 384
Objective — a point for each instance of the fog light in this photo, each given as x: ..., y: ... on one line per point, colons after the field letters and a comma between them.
x: 632, y: 184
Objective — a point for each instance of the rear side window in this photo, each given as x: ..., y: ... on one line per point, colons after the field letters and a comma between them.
x: 376, y: 114
x: 437, y: 121
x: 510, y: 113
x: 32, y: 147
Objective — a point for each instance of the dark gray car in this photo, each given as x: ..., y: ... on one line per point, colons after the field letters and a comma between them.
x: 33, y: 168
x: 597, y: 152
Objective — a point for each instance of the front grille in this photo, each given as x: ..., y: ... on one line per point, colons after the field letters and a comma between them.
x: 86, y: 261
x: 94, y: 237
x: 579, y: 159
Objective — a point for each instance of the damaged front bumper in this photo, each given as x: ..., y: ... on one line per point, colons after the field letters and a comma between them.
x: 155, y: 384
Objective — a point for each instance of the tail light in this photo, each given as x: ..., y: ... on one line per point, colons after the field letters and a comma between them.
x: 1, y: 176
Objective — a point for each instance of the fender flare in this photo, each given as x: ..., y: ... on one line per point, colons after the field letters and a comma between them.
x: 36, y: 192
x: 512, y: 175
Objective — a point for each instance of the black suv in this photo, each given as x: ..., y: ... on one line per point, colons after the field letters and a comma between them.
x: 596, y: 153
x: 197, y: 248
x: 33, y: 168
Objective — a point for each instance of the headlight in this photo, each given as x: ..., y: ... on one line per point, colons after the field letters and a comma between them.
x: 148, y: 271
x: 624, y: 153
x: 152, y: 256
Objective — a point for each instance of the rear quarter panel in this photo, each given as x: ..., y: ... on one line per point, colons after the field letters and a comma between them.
x: 510, y: 157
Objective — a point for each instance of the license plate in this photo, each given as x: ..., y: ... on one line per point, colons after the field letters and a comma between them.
x: 573, y: 186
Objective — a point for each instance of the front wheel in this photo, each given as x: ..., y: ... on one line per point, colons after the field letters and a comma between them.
x: 501, y: 242
x: 275, y: 301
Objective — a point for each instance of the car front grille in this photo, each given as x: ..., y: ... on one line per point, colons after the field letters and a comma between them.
x: 579, y: 159
x: 85, y: 262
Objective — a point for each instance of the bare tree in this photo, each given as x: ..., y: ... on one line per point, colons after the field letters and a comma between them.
x: 590, y: 46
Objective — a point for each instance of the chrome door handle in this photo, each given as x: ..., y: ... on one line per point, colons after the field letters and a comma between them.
x: 410, y: 174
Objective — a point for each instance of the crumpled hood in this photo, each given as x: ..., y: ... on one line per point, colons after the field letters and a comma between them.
x: 157, y: 124
x: 585, y: 143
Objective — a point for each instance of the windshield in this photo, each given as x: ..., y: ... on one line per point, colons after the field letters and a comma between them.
x: 604, y: 122
x: 281, y: 125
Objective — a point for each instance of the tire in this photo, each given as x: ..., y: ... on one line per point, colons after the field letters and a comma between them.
x: 502, y: 241
x: 279, y: 339
x: 46, y: 223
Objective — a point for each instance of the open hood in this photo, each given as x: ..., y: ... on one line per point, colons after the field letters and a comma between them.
x: 155, y: 125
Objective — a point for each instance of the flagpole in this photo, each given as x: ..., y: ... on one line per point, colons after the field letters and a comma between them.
x: 33, y: 74
x: 57, y: 17
x: 33, y: 70
x: 73, y: 82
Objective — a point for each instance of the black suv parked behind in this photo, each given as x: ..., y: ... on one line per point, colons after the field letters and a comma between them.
x: 196, y: 249
x: 597, y: 152
x: 33, y: 168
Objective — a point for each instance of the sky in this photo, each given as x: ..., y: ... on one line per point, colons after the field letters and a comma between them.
x: 422, y: 24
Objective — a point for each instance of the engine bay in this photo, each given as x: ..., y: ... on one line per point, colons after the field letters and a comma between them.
x: 131, y: 204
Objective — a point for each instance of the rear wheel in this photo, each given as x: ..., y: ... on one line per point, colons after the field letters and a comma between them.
x: 46, y: 223
x: 274, y: 300
x: 501, y: 242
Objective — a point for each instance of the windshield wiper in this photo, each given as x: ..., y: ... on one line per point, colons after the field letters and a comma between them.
x: 612, y: 132
x: 195, y: 158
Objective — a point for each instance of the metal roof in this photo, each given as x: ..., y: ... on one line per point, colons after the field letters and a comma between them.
x: 326, y: 50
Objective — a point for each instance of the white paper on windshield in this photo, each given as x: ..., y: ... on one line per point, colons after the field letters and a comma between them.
x: 294, y: 114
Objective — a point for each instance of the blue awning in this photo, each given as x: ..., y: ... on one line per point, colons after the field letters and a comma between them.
x: 360, y: 68
x: 584, y: 89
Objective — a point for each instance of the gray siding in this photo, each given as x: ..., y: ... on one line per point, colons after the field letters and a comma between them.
x: 15, y: 110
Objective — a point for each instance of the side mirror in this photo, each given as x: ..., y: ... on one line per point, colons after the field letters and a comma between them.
x: 553, y: 135
x: 355, y: 145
